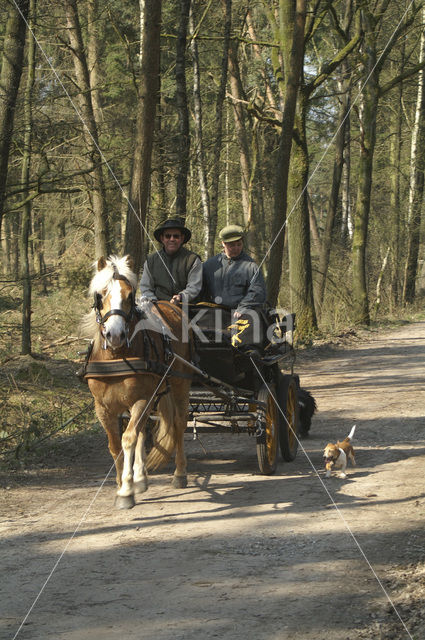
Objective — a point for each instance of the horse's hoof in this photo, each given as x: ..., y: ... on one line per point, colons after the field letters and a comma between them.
x: 179, y: 482
x: 124, y: 502
x: 140, y: 486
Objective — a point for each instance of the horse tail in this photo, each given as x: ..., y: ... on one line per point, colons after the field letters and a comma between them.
x: 164, y: 438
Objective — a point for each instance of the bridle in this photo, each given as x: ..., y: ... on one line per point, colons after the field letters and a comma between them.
x: 98, y: 306
x: 130, y: 365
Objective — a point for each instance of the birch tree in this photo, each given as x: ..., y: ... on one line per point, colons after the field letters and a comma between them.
x: 199, y: 151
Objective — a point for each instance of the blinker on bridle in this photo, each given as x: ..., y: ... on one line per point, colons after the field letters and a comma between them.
x: 98, y: 305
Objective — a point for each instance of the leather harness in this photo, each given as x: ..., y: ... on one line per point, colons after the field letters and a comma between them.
x: 132, y: 365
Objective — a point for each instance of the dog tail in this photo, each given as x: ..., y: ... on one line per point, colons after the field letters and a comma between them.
x: 351, y: 434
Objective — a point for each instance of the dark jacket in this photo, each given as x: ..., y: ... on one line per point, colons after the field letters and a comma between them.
x: 165, y: 276
x: 234, y: 282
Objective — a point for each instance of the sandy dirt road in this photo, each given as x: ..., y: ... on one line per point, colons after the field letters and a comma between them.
x: 237, y: 555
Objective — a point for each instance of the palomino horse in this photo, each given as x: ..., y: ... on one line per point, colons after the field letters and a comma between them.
x: 131, y: 369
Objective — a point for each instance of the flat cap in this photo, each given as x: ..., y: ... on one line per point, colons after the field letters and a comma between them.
x: 231, y: 233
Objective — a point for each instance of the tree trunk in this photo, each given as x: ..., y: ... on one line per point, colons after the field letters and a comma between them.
x: 396, y: 144
x: 14, y: 243
x: 161, y: 163
x: 101, y: 231
x: 238, y: 97
x: 182, y: 111
x: 379, y: 280
x: 145, y: 126
x: 346, y: 230
x: 218, y: 130
x: 362, y: 210
x: 141, y: 23
x: 369, y: 106
x: 292, y: 46
x: 258, y: 54
x: 300, y: 272
x: 334, y: 194
x: 25, y: 176
x: 314, y: 229
x: 61, y: 239
x: 10, y: 76
x: 39, y: 240
x: 199, y: 142
x: 93, y: 57
x: 6, y: 268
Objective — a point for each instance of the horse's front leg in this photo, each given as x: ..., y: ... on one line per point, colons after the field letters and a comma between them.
x: 140, y: 479
x: 111, y: 425
x: 125, y: 493
x: 180, y: 423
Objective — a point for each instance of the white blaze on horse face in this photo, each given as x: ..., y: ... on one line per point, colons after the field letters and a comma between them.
x: 115, y: 327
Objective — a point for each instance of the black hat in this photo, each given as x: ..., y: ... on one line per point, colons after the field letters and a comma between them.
x: 172, y: 223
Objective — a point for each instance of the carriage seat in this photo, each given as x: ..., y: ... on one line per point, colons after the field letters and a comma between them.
x: 225, y: 346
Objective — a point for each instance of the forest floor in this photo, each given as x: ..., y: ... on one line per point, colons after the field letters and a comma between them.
x: 236, y: 555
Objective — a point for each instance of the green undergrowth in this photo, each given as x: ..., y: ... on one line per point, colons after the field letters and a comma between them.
x: 41, y: 399
x: 40, y: 402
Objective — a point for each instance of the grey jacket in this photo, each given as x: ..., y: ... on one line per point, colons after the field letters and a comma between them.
x: 234, y: 282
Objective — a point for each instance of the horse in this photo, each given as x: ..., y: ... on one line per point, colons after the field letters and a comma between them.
x: 132, y: 369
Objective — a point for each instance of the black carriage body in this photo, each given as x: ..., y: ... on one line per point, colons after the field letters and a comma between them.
x: 215, y: 333
x: 244, y: 389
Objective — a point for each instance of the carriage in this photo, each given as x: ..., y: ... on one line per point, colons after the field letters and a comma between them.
x: 149, y: 378
x: 240, y: 386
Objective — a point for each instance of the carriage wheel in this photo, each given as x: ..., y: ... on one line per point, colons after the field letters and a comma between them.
x: 287, y: 395
x: 268, y: 440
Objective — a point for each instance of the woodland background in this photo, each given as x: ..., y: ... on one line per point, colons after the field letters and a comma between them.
x: 302, y: 120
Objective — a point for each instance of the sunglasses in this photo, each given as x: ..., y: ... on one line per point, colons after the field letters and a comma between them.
x: 168, y: 236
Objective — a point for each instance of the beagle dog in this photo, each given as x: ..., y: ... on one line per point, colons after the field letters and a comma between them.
x: 336, y: 455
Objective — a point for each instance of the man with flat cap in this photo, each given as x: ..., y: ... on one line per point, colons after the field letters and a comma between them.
x: 174, y: 273
x: 232, y: 278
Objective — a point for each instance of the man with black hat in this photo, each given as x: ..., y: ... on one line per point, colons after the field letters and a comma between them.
x: 232, y: 278
x: 174, y: 273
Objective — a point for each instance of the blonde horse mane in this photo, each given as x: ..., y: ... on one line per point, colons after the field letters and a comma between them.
x: 114, y: 265
x: 101, y: 282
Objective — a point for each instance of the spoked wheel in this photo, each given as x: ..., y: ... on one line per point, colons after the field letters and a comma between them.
x: 268, y: 439
x: 287, y: 396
